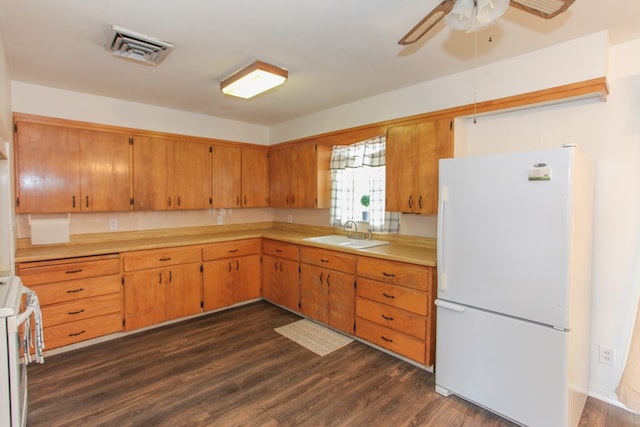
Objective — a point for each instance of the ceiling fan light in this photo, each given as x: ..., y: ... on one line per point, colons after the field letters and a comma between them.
x: 490, y: 10
x: 253, y: 79
x: 462, y: 15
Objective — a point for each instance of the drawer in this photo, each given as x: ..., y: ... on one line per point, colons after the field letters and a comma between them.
x: 280, y: 249
x: 81, y: 309
x: 399, y: 273
x: 77, y: 268
x: 73, y: 332
x: 231, y: 249
x: 395, y: 296
x: 141, y: 260
x: 328, y: 259
x: 391, y: 339
x: 71, y: 290
x: 391, y: 317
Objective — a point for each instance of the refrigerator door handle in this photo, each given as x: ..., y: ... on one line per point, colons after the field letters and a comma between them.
x: 442, y: 282
x: 449, y: 305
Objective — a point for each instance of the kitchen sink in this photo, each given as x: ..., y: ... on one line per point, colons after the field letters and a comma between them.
x: 346, y: 242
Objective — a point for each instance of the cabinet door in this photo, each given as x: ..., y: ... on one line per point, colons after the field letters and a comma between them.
x: 183, y: 290
x: 304, y: 176
x: 280, y: 181
x: 152, y: 169
x: 314, y: 292
x: 47, y: 166
x: 435, y: 143
x: 104, y: 171
x: 400, y: 172
x: 280, y: 281
x: 191, y: 175
x: 255, y: 178
x: 218, y: 282
x: 144, y: 298
x: 341, y: 300
x: 226, y: 176
x: 248, y: 278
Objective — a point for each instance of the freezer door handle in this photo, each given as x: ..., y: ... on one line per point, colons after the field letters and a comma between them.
x: 449, y: 305
x: 442, y: 281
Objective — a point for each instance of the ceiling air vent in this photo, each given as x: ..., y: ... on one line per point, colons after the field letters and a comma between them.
x: 135, y: 46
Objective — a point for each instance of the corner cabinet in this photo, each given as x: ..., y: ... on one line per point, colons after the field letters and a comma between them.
x: 395, y: 307
x: 300, y: 176
x: 66, y: 169
x: 412, y: 154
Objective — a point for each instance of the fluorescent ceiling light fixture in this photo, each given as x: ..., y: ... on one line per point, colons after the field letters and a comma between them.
x: 137, y: 47
x: 253, y: 80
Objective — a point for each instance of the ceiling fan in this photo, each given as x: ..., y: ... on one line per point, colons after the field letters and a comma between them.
x: 472, y: 15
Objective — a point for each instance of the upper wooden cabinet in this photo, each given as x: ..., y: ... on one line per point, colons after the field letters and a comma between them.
x: 255, y: 177
x: 226, y: 177
x: 170, y: 174
x: 412, y: 154
x: 300, y: 176
x: 64, y: 169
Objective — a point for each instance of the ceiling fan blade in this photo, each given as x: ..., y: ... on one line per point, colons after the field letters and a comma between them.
x: 427, y: 22
x: 546, y: 9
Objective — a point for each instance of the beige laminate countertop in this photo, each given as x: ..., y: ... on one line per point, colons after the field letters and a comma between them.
x: 419, y: 251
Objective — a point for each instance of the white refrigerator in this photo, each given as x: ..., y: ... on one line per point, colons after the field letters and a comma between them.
x: 514, y: 280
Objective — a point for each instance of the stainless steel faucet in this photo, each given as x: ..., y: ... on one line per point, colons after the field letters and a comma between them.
x: 348, y: 230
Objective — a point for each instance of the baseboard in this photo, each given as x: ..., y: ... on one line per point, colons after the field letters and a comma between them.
x: 606, y: 396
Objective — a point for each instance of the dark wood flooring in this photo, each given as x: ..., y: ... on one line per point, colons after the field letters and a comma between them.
x: 232, y: 369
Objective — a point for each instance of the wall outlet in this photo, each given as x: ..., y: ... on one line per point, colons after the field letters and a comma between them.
x: 113, y: 224
x: 220, y: 221
x: 607, y: 355
x: 289, y: 219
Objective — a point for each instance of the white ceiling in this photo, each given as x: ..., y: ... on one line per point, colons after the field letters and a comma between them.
x: 336, y: 51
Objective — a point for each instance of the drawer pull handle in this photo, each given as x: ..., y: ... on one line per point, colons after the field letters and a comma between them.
x: 386, y: 295
x: 73, y: 271
x: 386, y: 317
x: 75, y: 334
x: 279, y: 250
x: 233, y: 251
x: 165, y: 259
x: 73, y: 291
x: 76, y: 312
x: 386, y: 339
x: 384, y: 273
x: 324, y: 260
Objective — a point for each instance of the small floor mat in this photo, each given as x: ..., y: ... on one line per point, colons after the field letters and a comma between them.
x: 314, y: 337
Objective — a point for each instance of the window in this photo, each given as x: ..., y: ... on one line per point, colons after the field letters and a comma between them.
x: 359, y: 170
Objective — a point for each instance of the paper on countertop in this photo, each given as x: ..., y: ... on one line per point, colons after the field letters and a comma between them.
x: 49, y: 230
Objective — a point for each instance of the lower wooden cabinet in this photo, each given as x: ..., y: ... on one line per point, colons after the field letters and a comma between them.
x: 231, y: 273
x: 80, y: 297
x: 280, y: 271
x: 169, y: 286
x: 327, y: 287
x: 395, y: 307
